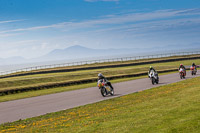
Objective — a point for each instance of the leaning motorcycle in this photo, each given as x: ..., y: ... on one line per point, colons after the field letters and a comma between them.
x: 105, y: 89
x: 182, y: 73
x: 193, y: 70
x: 154, y: 77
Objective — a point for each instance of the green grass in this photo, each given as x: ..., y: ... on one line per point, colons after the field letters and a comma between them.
x: 108, y: 63
x: 30, y: 80
x: 62, y: 89
x: 170, y: 108
x: 57, y: 90
x: 38, y: 79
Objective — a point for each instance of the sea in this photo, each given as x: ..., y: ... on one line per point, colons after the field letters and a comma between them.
x: 12, y: 68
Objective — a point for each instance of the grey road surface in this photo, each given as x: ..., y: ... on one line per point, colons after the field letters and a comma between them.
x: 30, y: 107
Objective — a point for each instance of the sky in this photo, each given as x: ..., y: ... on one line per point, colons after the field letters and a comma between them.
x: 32, y: 28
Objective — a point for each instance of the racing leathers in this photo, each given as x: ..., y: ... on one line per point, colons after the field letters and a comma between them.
x: 151, y: 69
x: 106, y: 81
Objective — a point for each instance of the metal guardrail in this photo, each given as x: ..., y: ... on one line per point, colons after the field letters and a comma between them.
x: 99, y: 61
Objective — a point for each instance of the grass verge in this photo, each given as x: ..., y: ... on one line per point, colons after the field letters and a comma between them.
x: 103, y: 65
x: 31, y: 81
x: 169, y: 108
x: 33, y: 93
x: 34, y: 80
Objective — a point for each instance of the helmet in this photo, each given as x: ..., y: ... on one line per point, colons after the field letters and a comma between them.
x: 100, y: 75
x: 181, y: 64
x: 150, y: 67
x: 193, y: 63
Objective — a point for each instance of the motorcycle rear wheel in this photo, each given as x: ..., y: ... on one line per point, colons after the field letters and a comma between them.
x: 157, y: 82
x: 111, y: 91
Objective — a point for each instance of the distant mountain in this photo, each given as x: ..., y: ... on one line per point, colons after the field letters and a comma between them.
x: 79, y: 52
x: 83, y: 52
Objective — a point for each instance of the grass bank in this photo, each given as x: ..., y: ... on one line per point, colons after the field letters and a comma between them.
x: 44, y: 79
x: 108, y: 64
x: 169, y: 108
x: 62, y: 89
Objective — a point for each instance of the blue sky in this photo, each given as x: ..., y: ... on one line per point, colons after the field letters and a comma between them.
x: 32, y: 28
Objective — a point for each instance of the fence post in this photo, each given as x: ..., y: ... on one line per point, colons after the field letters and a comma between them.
x: 102, y: 60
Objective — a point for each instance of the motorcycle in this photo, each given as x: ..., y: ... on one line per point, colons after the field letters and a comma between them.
x: 105, y: 88
x: 182, y: 73
x: 193, y: 70
x: 154, y: 77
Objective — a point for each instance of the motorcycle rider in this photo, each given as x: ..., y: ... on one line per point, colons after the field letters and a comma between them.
x: 151, y: 69
x: 194, y: 65
x: 183, y: 67
x: 100, y: 76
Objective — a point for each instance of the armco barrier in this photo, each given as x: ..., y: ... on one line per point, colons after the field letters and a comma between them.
x: 99, y: 61
x: 100, y: 67
x: 59, y: 84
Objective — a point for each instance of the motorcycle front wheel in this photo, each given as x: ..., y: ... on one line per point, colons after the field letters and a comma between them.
x: 153, y: 80
x: 103, y: 92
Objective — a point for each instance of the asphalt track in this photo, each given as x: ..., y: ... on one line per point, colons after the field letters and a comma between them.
x: 30, y: 107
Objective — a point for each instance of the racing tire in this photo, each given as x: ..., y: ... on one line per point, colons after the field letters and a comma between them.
x: 112, y: 91
x: 153, y: 80
x: 103, y: 92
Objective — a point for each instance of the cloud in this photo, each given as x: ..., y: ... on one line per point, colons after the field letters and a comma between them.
x: 10, y: 21
x: 31, y: 28
x: 101, y: 0
x: 153, y: 28
x: 15, y: 44
x: 153, y: 25
x: 160, y: 18
x: 9, y: 34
